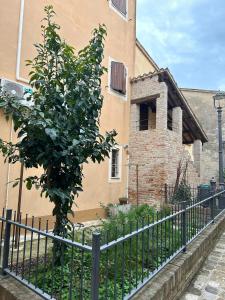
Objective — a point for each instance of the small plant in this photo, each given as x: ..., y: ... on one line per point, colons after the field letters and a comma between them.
x: 123, y: 200
x: 182, y: 193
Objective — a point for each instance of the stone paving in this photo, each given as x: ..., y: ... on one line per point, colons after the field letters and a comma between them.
x: 209, y: 284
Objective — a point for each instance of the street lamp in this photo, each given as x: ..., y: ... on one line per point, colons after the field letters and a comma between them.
x: 219, y: 104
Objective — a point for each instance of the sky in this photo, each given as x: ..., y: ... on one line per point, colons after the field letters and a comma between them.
x: 188, y: 37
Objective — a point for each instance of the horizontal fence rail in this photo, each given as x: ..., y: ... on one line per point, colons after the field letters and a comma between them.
x: 114, y: 263
x: 29, y: 255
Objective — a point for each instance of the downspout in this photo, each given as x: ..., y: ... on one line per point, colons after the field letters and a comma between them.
x: 19, y: 44
x: 8, y: 171
x: 18, y: 60
x: 127, y: 183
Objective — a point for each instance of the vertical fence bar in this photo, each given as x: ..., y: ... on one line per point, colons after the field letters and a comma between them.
x: 166, y: 193
x: 5, y: 259
x: 212, y: 208
x: 184, y: 227
x: 95, y: 265
x: 1, y: 233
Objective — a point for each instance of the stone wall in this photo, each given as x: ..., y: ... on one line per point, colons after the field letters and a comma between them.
x: 201, y: 102
x: 176, y: 152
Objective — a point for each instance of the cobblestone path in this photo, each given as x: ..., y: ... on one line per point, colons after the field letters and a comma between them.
x: 209, y: 284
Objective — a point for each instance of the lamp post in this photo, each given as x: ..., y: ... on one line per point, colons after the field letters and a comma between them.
x: 219, y: 103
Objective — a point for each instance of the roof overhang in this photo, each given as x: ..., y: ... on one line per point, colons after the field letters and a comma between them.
x: 192, y: 129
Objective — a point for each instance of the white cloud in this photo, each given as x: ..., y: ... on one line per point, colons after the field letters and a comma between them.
x: 166, y: 30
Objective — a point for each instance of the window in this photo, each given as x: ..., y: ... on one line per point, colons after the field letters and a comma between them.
x: 120, y: 6
x: 144, y: 112
x: 115, y: 164
x: 118, y: 77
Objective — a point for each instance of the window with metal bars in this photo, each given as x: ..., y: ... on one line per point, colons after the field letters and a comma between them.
x: 118, y: 77
x: 115, y: 163
x: 120, y: 5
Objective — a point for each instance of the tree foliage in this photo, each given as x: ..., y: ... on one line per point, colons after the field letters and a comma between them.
x: 58, y: 125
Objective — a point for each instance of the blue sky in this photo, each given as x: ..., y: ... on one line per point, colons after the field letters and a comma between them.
x: 188, y: 37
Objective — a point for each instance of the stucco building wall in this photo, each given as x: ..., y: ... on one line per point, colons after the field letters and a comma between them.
x: 143, y: 62
x: 77, y: 19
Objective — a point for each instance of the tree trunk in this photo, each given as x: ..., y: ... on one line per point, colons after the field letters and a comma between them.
x: 60, y: 229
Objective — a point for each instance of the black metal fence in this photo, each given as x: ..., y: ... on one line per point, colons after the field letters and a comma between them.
x: 113, y: 264
x: 171, y: 193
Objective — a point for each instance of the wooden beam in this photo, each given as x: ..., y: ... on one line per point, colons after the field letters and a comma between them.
x: 145, y: 99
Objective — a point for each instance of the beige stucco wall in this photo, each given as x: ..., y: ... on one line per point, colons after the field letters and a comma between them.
x: 142, y: 64
x: 77, y: 19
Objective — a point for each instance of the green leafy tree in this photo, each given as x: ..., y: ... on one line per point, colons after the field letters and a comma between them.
x: 58, y: 125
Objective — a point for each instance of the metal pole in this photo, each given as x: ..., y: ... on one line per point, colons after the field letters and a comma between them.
x: 212, y: 208
x: 5, y: 258
x: 166, y: 193
x: 95, y: 265
x: 221, y: 178
x: 184, y: 229
x: 19, y: 204
x: 137, y: 184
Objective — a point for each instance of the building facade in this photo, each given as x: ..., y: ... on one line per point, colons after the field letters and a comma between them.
x: 156, y: 126
x: 162, y: 124
x: 21, y: 28
x: 201, y: 102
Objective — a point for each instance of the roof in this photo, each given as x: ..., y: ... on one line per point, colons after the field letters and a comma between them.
x: 193, y: 129
x: 199, y: 90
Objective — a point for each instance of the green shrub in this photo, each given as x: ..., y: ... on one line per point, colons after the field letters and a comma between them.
x: 182, y: 193
x: 124, y: 265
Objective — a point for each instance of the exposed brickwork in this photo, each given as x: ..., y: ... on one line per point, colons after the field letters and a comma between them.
x: 157, y: 152
x: 177, y: 122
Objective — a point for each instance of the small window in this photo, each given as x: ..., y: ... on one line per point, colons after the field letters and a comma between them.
x: 144, y: 115
x: 120, y: 5
x: 115, y: 163
x: 118, y: 77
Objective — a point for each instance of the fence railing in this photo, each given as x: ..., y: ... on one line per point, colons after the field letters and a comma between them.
x: 113, y: 264
x: 171, y: 193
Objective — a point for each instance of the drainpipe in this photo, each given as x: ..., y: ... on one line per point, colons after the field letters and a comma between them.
x: 19, y: 44
x: 8, y: 171
x: 127, y: 181
x: 18, y: 61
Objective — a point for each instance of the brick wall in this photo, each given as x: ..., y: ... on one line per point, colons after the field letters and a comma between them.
x: 156, y: 152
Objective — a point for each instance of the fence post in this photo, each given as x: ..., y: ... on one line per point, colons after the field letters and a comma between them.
x: 166, y: 193
x: 5, y: 258
x: 212, y: 205
x: 184, y: 226
x: 95, y: 265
